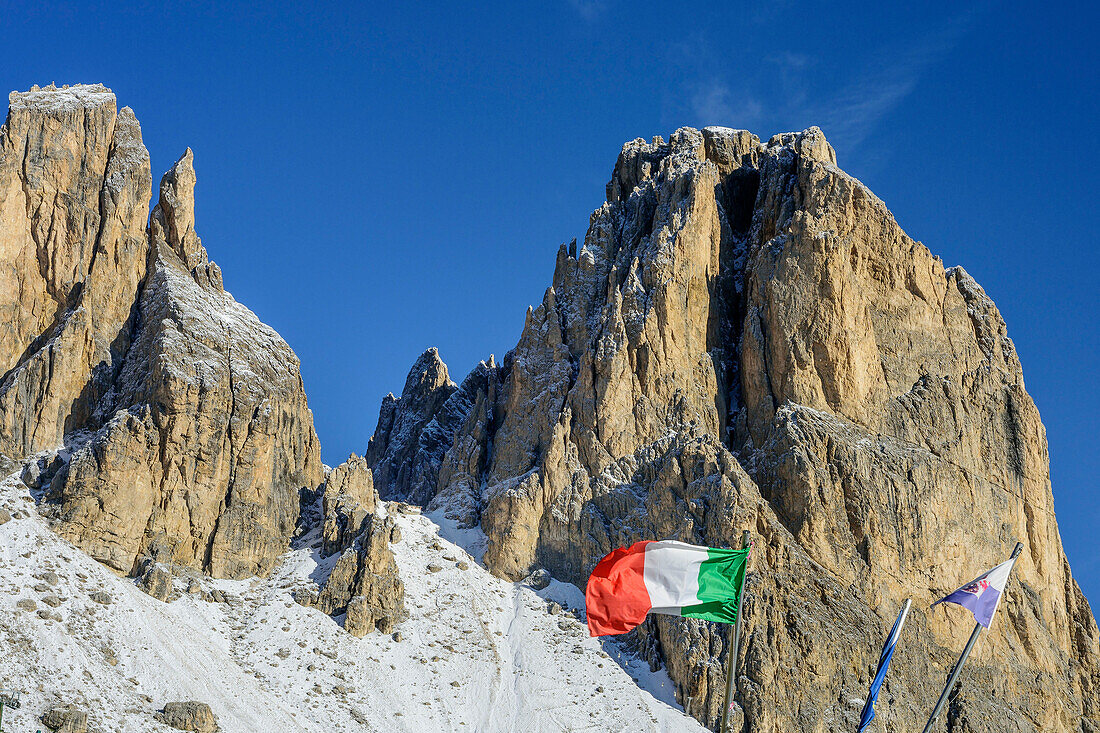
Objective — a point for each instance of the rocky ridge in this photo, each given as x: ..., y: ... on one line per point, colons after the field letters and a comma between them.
x: 747, y: 339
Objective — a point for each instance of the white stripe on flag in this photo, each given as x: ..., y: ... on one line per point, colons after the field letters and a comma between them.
x: 998, y: 576
x: 671, y: 574
x: 899, y: 624
x: 998, y: 579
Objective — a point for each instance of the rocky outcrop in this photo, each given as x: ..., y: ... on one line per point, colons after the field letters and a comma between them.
x: 348, y: 498
x: 183, y: 418
x: 156, y: 579
x: 188, y: 715
x: 393, y: 452
x: 747, y: 340
x: 206, y: 435
x: 66, y: 719
x: 470, y: 411
x: 74, y: 187
x: 364, y: 582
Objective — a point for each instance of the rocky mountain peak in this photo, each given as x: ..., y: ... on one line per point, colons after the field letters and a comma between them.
x: 54, y: 99
x: 174, y: 423
x: 74, y: 192
x: 746, y: 339
x: 426, y: 379
x: 810, y: 144
x: 176, y: 208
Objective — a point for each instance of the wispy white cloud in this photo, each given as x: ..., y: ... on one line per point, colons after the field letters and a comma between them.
x: 701, y: 94
x: 714, y: 103
x: 590, y: 10
x: 795, y: 89
x: 853, y: 112
x: 791, y: 60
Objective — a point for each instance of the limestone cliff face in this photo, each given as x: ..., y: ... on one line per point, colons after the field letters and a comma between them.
x: 348, y: 498
x: 74, y: 191
x: 402, y: 468
x: 184, y: 417
x: 747, y: 340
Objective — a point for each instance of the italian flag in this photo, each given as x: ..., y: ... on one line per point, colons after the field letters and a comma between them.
x: 663, y: 577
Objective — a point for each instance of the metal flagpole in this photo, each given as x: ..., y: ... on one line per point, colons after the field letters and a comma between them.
x: 735, y: 641
x: 8, y: 697
x: 962, y: 659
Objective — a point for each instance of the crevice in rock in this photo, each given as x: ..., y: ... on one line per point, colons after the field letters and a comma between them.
x: 1016, y: 451
x: 60, y: 315
x: 736, y: 196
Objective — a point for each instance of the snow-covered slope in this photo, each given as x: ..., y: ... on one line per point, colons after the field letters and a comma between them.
x: 476, y: 654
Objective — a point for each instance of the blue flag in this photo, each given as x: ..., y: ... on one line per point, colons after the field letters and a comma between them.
x: 880, y: 674
x: 983, y: 594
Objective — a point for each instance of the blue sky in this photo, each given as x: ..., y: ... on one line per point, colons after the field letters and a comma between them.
x: 376, y: 180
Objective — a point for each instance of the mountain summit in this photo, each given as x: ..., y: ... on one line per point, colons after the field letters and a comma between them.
x: 746, y: 339
x: 183, y: 416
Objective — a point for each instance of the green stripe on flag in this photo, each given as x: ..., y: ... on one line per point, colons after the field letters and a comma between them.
x: 721, y: 580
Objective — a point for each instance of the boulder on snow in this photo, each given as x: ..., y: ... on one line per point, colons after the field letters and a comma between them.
x: 188, y: 715
x: 539, y: 579
x: 156, y: 580
x: 66, y: 719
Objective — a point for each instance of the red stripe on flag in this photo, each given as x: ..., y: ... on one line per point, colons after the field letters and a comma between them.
x: 616, y: 599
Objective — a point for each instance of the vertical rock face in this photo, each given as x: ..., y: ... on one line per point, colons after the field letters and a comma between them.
x: 348, y: 498
x: 747, y: 339
x: 470, y: 414
x: 74, y: 187
x: 394, y: 452
x: 364, y: 582
x: 195, y: 436
x: 207, y: 437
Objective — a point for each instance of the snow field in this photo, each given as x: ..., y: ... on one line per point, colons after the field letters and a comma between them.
x: 476, y: 654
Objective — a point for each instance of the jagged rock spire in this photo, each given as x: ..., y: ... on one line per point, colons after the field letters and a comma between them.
x: 173, y: 222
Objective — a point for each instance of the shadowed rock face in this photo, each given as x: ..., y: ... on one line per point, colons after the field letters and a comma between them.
x: 415, y: 437
x: 747, y: 340
x: 194, y: 433
x: 396, y: 453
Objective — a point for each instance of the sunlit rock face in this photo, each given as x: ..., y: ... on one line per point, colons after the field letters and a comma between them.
x: 74, y: 192
x: 179, y: 419
x: 364, y: 584
x: 746, y: 339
